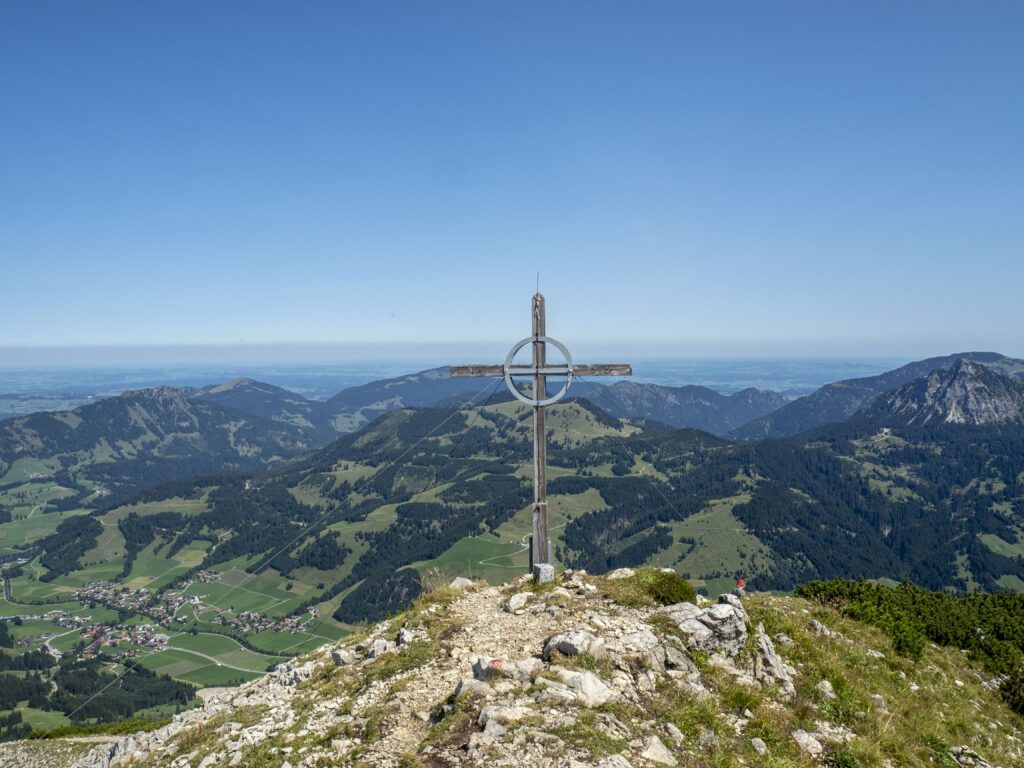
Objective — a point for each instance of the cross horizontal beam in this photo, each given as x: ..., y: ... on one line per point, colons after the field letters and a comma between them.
x: 605, y: 369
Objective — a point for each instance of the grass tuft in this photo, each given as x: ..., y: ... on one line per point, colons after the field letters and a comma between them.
x: 649, y: 587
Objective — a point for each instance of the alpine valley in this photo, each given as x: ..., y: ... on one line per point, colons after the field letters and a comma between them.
x: 200, y: 537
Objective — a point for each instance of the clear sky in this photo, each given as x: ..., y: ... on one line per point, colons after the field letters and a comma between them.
x: 693, y: 178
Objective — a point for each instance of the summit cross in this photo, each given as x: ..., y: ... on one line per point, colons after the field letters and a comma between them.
x: 539, y: 370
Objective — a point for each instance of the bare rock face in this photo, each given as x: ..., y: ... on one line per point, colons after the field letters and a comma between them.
x: 770, y: 669
x: 966, y: 393
x: 719, y: 628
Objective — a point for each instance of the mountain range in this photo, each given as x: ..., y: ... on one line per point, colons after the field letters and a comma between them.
x: 353, y: 408
x: 250, y: 536
x: 842, y: 399
x: 966, y: 393
x: 924, y: 483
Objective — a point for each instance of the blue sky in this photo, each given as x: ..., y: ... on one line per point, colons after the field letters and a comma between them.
x: 688, y: 178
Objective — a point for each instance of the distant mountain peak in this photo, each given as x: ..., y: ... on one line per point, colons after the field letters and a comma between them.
x: 840, y: 400
x: 965, y: 393
x: 162, y: 392
x: 243, y: 382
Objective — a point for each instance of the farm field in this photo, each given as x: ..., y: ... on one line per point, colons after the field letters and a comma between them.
x: 23, y: 469
x: 155, y: 570
x: 224, y: 650
x: 191, y: 668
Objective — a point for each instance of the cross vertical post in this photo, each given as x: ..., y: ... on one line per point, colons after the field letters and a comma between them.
x: 539, y: 369
x: 540, y: 439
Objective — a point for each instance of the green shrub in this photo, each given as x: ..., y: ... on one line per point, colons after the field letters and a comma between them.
x: 649, y: 586
x: 842, y: 758
x: 670, y: 588
x: 907, y: 640
x: 1012, y: 690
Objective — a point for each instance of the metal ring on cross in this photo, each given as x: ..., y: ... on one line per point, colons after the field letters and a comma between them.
x: 531, y: 370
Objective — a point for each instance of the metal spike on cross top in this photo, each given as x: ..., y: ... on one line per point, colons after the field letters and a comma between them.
x: 539, y: 369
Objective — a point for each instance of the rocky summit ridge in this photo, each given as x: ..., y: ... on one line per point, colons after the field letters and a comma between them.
x: 592, y: 671
x: 966, y: 393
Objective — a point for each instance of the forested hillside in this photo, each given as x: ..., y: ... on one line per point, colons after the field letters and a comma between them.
x: 118, y: 445
x: 690, y: 406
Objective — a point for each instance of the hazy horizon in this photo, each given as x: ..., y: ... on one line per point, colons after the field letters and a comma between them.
x: 148, y: 356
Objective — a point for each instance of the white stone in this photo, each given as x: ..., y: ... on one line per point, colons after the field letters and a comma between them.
x: 620, y: 573
x: 574, y: 643
x: 341, y: 657
x: 821, y: 630
x: 657, y: 752
x: 808, y: 743
x: 518, y: 602
x: 379, y: 647
x: 759, y: 746
x: 826, y: 691
x: 460, y: 582
x: 589, y: 689
x: 405, y: 636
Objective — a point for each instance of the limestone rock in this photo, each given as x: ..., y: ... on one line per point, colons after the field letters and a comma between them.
x: 719, y: 628
x: 675, y: 734
x: 586, y: 687
x: 341, y: 657
x: 769, y: 668
x: 808, y: 743
x: 518, y: 602
x: 406, y: 636
x: 657, y: 752
x: 379, y: 647
x: 821, y: 630
x: 826, y: 691
x: 574, y: 643
x: 966, y: 757
x: 620, y: 573
x: 460, y: 582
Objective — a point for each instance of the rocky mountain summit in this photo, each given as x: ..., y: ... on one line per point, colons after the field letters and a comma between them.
x: 967, y: 393
x: 611, y: 672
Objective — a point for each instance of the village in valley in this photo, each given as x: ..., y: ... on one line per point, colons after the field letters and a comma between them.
x: 169, y: 611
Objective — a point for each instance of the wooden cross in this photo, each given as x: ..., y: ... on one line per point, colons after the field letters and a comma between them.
x: 540, y: 545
